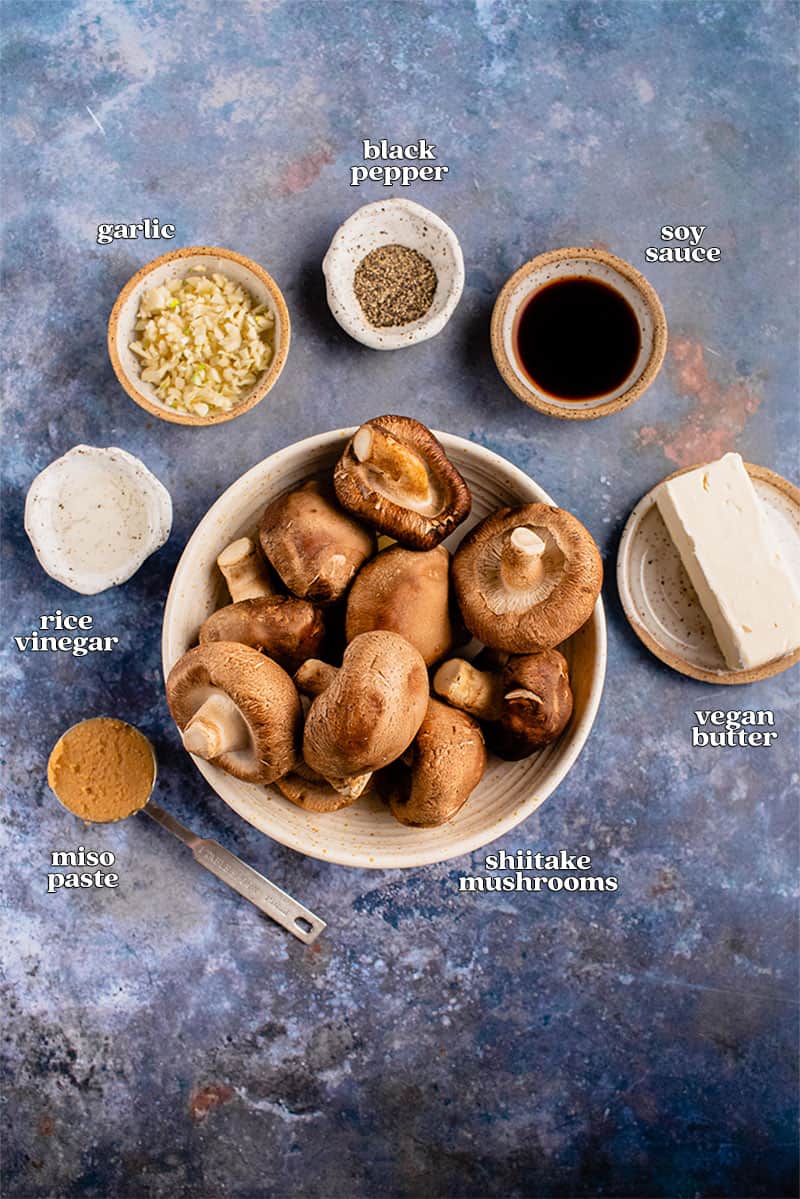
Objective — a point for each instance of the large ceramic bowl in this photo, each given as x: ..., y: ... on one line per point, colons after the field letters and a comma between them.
x: 366, y: 834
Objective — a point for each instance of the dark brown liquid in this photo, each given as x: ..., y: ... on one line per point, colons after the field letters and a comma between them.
x: 577, y: 339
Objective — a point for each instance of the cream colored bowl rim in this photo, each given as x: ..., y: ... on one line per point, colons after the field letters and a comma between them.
x: 578, y: 734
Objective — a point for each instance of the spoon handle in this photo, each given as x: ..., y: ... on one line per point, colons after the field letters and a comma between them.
x: 268, y: 898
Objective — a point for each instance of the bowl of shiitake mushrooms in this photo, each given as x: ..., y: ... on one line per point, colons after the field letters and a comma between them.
x: 385, y: 646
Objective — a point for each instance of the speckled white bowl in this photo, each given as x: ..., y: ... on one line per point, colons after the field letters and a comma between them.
x: 385, y: 223
x: 86, y: 549
x: 366, y: 834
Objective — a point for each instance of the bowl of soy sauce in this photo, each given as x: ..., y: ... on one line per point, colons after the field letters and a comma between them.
x: 578, y: 333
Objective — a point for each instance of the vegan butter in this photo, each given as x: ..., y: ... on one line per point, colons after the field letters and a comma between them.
x: 734, y: 562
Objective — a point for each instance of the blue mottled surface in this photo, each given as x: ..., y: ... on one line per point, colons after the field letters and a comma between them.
x: 161, y: 1040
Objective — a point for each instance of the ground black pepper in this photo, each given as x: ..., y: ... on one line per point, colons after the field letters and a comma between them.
x: 394, y: 285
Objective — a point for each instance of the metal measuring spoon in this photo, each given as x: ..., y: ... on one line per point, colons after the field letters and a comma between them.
x: 269, y: 899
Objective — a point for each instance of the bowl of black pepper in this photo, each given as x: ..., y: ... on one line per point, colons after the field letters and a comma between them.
x: 394, y: 274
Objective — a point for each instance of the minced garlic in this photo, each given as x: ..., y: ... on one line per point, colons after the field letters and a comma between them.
x: 203, y: 342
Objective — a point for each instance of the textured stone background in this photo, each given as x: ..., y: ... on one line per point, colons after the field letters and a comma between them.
x: 162, y: 1040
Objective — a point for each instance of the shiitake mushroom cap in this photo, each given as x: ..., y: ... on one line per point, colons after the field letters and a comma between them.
x: 417, y: 496
x: 516, y: 615
x: 287, y: 629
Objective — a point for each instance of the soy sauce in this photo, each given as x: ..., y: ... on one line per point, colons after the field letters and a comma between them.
x: 577, y: 338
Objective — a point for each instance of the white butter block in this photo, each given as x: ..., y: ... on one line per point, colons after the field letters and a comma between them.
x: 729, y: 552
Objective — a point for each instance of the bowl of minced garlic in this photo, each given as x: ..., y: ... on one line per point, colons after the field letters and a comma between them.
x: 102, y: 769
x: 394, y: 274
x: 199, y: 335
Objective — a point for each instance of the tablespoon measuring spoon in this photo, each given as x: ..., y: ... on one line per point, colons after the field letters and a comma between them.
x: 269, y: 899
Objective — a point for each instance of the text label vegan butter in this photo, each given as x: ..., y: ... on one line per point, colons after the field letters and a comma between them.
x: 721, y: 729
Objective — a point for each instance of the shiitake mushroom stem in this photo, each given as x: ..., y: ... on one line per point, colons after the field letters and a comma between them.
x: 244, y: 570
x: 217, y: 727
x: 352, y: 785
x: 314, y: 677
x: 522, y: 559
x: 475, y: 691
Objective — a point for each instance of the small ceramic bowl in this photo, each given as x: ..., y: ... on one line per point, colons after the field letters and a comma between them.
x: 577, y: 262
x: 94, y: 515
x: 386, y: 223
x: 366, y: 834
x: 176, y: 264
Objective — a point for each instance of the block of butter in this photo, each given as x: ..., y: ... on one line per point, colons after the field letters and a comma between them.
x: 730, y: 553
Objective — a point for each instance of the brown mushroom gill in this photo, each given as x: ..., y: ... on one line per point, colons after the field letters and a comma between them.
x: 395, y: 475
x: 236, y: 708
x: 521, y: 568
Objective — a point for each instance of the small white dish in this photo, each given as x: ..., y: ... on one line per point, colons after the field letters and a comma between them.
x: 94, y: 515
x: 366, y: 834
x: 386, y: 223
x: 662, y: 605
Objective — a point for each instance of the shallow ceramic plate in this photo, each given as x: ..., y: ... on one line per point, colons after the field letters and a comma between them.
x: 366, y: 834
x: 662, y: 605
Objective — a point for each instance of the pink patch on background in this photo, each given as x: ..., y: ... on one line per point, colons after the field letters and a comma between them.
x: 201, y: 1102
x: 717, y: 416
x: 301, y: 174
